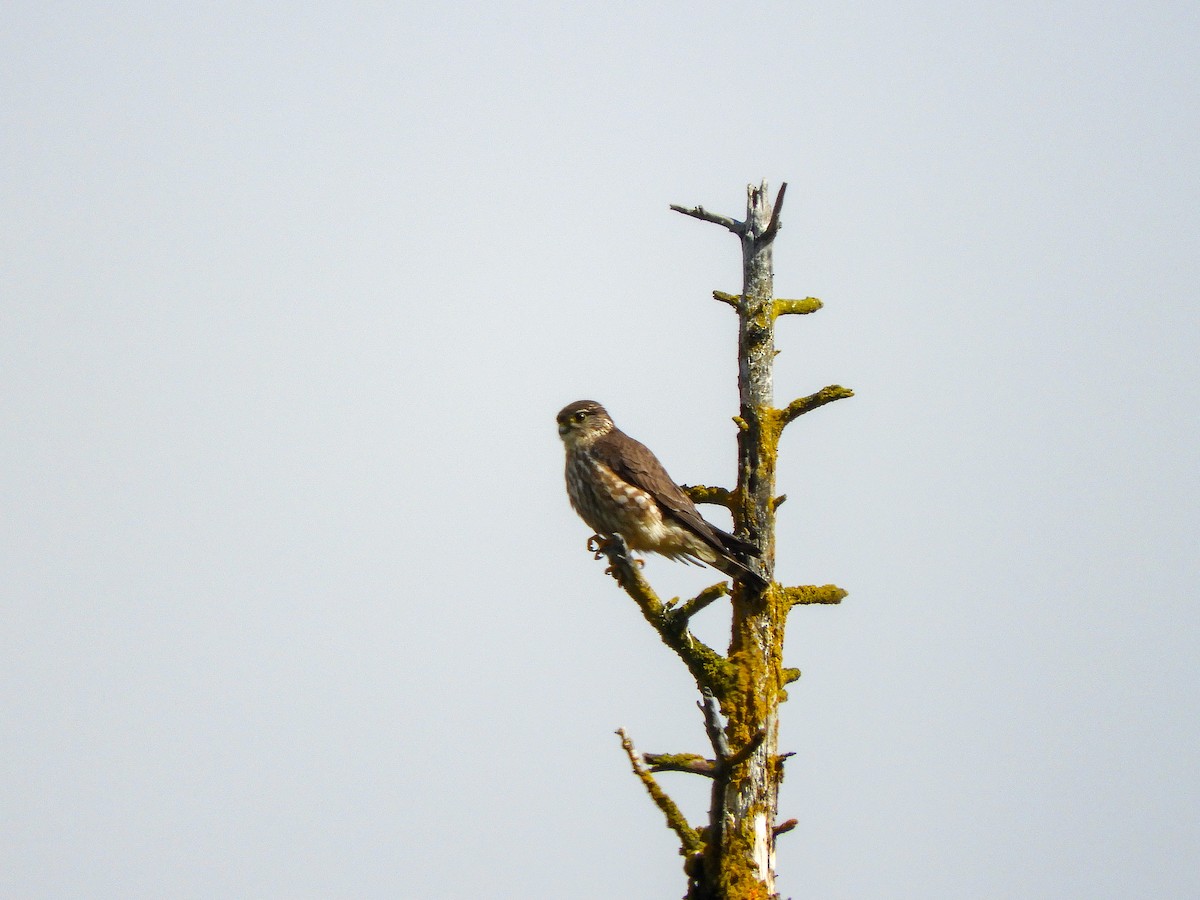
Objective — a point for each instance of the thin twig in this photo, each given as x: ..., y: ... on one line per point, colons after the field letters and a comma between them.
x: 709, y: 595
x: 689, y: 840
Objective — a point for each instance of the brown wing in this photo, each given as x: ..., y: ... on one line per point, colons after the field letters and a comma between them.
x: 633, y: 461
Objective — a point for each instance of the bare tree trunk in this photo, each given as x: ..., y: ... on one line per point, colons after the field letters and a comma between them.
x: 733, y: 857
x: 747, y: 845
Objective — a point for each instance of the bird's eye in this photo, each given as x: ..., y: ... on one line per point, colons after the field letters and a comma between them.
x: 579, y: 416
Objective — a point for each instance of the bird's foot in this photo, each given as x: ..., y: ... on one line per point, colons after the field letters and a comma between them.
x: 614, y: 547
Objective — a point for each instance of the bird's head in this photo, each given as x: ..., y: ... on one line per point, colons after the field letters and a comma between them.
x: 581, y: 422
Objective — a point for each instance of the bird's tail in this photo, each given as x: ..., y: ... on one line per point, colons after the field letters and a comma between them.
x: 734, y: 559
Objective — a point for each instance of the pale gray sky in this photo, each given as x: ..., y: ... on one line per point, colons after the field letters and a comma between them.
x: 293, y: 603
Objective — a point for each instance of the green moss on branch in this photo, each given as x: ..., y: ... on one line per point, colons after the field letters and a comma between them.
x: 707, y: 596
x: 797, y: 307
x: 692, y: 763
x: 803, y: 405
x: 703, y: 493
x: 807, y: 594
x: 689, y: 840
x: 807, y: 405
x: 710, y: 669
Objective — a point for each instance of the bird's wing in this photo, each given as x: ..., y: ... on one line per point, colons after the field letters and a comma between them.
x: 632, y: 461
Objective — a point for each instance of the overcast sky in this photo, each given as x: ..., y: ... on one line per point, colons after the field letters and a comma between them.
x: 293, y: 602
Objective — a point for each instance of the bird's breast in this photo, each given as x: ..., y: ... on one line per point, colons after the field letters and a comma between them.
x: 608, y: 503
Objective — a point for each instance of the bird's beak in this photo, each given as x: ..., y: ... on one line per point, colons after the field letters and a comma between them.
x: 563, y: 428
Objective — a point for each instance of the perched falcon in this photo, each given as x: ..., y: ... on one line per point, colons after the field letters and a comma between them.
x: 619, y: 487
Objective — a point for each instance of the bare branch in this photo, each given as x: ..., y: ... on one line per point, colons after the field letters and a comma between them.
x: 710, y: 669
x: 699, y: 212
x: 692, y: 763
x: 789, y: 675
x: 785, y: 827
x: 796, y: 307
x: 773, y: 225
x: 707, y: 596
x: 799, y: 407
x: 689, y: 840
x: 712, y: 725
x: 702, y: 493
x: 732, y: 299
x: 807, y: 594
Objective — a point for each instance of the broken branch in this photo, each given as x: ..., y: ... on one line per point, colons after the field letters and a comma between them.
x: 796, y: 307
x: 692, y: 763
x: 712, y: 725
x: 699, y: 212
x: 773, y: 225
x: 785, y: 827
x: 702, y: 493
x: 806, y: 594
x: 799, y: 407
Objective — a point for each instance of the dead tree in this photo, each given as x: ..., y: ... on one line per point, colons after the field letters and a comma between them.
x: 733, y: 856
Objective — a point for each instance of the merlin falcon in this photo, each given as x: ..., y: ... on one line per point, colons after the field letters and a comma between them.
x: 619, y: 487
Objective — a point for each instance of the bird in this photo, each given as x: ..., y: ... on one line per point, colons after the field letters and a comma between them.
x: 618, y: 486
